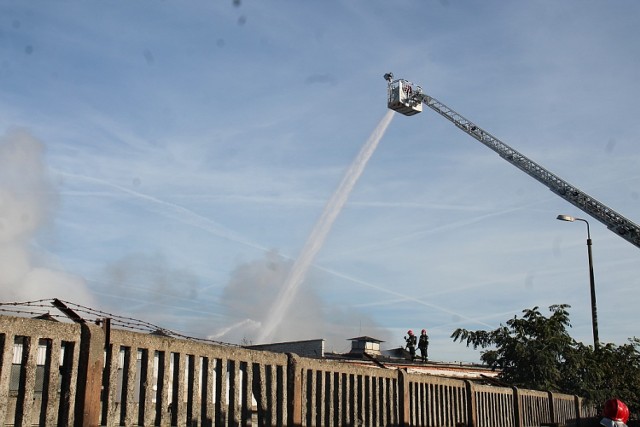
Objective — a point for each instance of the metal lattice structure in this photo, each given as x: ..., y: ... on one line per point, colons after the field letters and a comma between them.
x: 407, y: 98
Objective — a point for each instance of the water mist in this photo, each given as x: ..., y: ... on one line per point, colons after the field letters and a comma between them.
x: 320, y: 231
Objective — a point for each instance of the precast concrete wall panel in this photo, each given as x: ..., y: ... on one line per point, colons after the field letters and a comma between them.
x: 48, y: 351
x: 192, y: 383
x: 535, y: 408
x: 565, y: 408
x: 437, y: 401
x: 494, y: 406
x: 336, y: 394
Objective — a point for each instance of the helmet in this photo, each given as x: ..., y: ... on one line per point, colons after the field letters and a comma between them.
x: 424, y: 331
x: 616, y: 410
x: 410, y: 332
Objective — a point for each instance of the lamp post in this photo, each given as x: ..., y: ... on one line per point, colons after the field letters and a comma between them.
x: 594, y: 314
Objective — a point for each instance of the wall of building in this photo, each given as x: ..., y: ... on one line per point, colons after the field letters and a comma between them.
x: 306, y: 348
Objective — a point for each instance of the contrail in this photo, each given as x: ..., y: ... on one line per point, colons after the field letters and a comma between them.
x: 320, y: 231
x: 190, y: 217
x: 405, y: 297
x: 212, y: 227
x: 395, y: 241
x: 224, y: 331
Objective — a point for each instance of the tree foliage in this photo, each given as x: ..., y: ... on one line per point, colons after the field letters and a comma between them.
x: 537, y: 352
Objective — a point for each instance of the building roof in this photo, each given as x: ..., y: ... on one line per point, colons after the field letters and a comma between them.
x: 46, y: 316
x: 365, y: 338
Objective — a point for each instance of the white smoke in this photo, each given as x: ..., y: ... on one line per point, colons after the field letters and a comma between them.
x: 27, y: 199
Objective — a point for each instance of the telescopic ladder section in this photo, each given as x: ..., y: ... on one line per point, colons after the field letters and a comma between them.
x: 614, y: 221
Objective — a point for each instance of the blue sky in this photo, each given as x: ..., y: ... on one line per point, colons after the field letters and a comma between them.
x: 168, y: 160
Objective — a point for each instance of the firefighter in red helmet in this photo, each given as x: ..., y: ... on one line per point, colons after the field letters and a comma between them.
x: 616, y: 414
x: 423, y: 345
x: 411, y: 343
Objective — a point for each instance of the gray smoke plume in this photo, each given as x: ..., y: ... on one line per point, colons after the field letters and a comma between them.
x: 251, y: 292
x: 27, y: 199
x: 151, y: 289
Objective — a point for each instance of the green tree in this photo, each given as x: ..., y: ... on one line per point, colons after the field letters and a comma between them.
x: 537, y: 352
x: 617, y: 373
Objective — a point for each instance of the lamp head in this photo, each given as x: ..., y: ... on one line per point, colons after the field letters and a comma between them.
x: 566, y: 218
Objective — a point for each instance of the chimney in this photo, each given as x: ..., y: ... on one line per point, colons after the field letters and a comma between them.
x: 365, y: 344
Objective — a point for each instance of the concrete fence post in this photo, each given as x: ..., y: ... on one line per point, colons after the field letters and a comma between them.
x: 294, y: 392
x: 578, y: 409
x: 552, y: 409
x: 92, y: 342
x: 471, y: 405
x: 404, y: 402
x: 517, y: 408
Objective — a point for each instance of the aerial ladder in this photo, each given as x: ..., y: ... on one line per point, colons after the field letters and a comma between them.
x: 408, y: 98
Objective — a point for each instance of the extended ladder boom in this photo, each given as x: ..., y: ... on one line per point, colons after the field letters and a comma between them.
x: 407, y: 98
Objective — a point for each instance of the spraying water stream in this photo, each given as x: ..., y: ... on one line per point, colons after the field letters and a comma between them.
x: 320, y: 231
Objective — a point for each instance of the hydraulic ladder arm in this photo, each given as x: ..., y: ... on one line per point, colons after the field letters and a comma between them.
x: 407, y: 99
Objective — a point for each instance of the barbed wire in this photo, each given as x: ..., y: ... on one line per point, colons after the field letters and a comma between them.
x: 42, y: 309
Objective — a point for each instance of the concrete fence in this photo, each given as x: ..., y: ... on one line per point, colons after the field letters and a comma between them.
x: 58, y: 374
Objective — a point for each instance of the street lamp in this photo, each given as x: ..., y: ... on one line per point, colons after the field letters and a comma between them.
x: 594, y: 314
